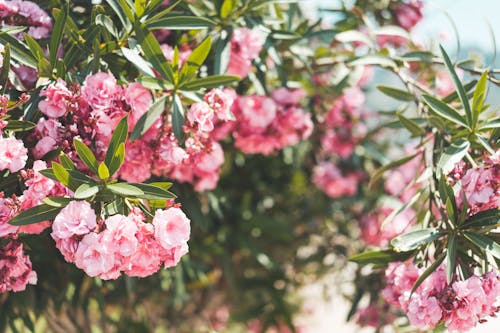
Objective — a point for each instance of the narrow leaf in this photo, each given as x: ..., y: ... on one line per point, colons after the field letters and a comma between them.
x: 444, y: 110
x: 414, y: 239
x: 35, y: 214
x: 147, y: 119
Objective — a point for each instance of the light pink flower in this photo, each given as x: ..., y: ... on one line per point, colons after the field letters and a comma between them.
x: 95, y: 258
x: 120, y: 234
x: 200, y: 114
x: 57, y: 97
x: 258, y: 111
x: 172, y: 227
x: 146, y: 260
x: 329, y: 178
x: 77, y: 218
x: 221, y: 101
x: 13, y: 154
x: 139, y: 99
x: 246, y: 45
x: 409, y: 14
x: 8, y: 209
x: 15, y: 268
x: 424, y: 312
x: 100, y: 90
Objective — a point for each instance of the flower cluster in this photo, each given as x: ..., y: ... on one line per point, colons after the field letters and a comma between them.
x: 246, y: 45
x: 120, y: 243
x: 267, y: 124
x: 15, y: 268
x: 335, y: 182
x: 408, y: 13
x: 27, y: 14
x: 479, y: 185
x: 460, y: 305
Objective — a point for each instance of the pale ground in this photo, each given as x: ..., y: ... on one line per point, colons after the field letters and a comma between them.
x: 329, y: 316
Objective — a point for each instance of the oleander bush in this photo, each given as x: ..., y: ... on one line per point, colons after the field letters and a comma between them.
x: 191, y: 165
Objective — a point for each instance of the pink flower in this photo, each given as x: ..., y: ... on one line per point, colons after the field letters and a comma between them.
x: 77, y: 218
x: 423, y: 312
x: 15, y: 268
x: 13, y: 154
x: 172, y: 256
x: 95, y: 257
x: 100, y: 90
x: 200, y: 115
x: 408, y: 14
x: 285, y: 97
x: 372, y: 232
x: 246, y: 45
x: 221, y: 101
x: 137, y: 164
x: 146, y: 259
x: 8, y: 209
x: 139, y: 99
x: 172, y: 227
x: 43, y: 146
x: 258, y: 111
x: 120, y: 234
x: 67, y: 247
x: 58, y: 96
x: 329, y: 178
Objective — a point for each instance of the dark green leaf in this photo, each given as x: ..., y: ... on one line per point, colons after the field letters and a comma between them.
x: 486, y: 218
x: 152, y: 192
x: 147, y: 119
x: 444, y: 110
x: 66, y: 162
x: 411, y: 126
x: 19, y: 125
x: 458, y: 86
x: 484, y: 243
x: 380, y: 257
x: 212, y: 81
x: 414, y: 239
x: 119, y: 136
x: 56, y: 34
x: 398, y: 94
x: 435, y: 265
x: 86, y: 155
x: 57, y: 201
x: 35, y: 214
x: 478, y: 99
x: 452, y: 155
x: 178, y: 118
x: 180, y: 23
x: 4, y: 74
x: 117, y: 160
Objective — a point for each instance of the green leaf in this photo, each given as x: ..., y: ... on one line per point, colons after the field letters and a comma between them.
x: 411, y: 126
x: 458, y: 86
x: 35, y: 214
x: 119, y: 136
x: 380, y: 257
x: 478, y: 99
x: 163, y: 185
x: 212, y: 81
x: 197, y: 58
x: 86, y: 191
x: 414, y: 239
x: 226, y: 8
x: 61, y: 174
x: 378, y: 60
x: 117, y: 160
x: 444, y: 110
x: 66, y: 162
x: 125, y: 189
x: 451, y: 256
x: 4, y: 74
x: 86, y: 155
x: 380, y: 171
x: 452, y: 155
x: 152, y: 192
x: 484, y: 243
x: 19, y: 125
x: 56, y: 34
x: 180, y: 23
x: 493, y: 123
x: 103, y: 171
x: 435, y: 265
x: 454, y: 95
x: 117, y: 7
x: 222, y: 53
x: 114, y: 207
x: 147, y: 119
x: 106, y: 22
x: 153, y: 52
x: 142, y: 65
x: 486, y: 218
x: 484, y: 142
x: 351, y: 36
x: 178, y: 118
x: 154, y: 83
x: 18, y: 51
x: 395, y: 93
x: 60, y: 202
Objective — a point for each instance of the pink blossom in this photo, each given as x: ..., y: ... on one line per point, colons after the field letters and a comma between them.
x: 172, y: 227
x: 173, y: 255
x: 67, y: 247
x: 120, y: 233
x: 329, y: 178
x: 400, y: 278
x: 139, y: 99
x: 221, y: 101
x: 15, y: 268
x: 258, y: 111
x: 200, y: 114
x: 246, y: 45
x: 408, y: 14
x: 43, y: 146
x: 372, y: 232
x: 424, y: 312
x: 95, y: 257
x: 77, y: 218
x: 58, y: 96
x: 146, y: 259
x: 285, y: 97
x: 13, y: 154
x: 100, y: 90
x: 137, y: 164
x: 8, y: 209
